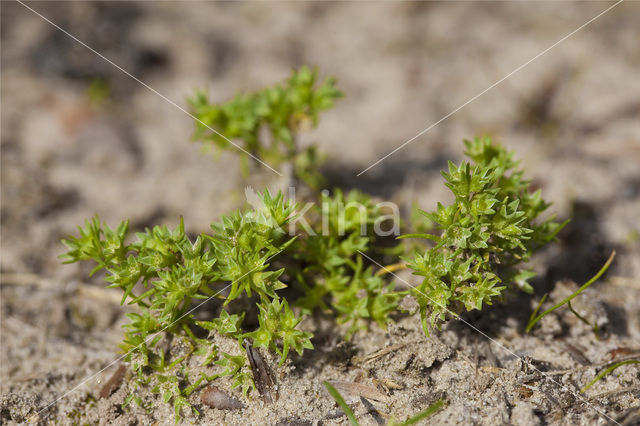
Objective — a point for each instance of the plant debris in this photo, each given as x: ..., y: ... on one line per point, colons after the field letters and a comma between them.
x: 215, y: 398
x: 262, y: 376
x: 114, y: 382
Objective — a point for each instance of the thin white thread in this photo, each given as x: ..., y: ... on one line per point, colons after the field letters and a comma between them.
x: 365, y: 170
x: 457, y: 317
x: 490, y: 87
x: 151, y: 88
x: 151, y: 337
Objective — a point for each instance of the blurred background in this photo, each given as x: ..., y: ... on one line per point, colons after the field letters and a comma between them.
x: 80, y: 138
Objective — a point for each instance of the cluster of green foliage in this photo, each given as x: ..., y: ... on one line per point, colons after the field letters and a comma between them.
x: 251, y: 258
x: 267, y: 122
x: 487, y: 233
x: 332, y: 271
x: 163, y: 272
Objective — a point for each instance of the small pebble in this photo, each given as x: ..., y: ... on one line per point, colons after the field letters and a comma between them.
x: 215, y: 398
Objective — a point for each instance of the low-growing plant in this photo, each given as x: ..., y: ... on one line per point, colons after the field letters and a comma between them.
x: 487, y: 235
x: 163, y: 271
x: 333, y: 273
x: 268, y: 122
x: 255, y: 263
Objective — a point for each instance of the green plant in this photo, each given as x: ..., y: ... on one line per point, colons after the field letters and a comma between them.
x: 535, y: 317
x: 252, y: 258
x: 163, y: 271
x: 267, y: 122
x: 331, y: 269
x: 487, y: 234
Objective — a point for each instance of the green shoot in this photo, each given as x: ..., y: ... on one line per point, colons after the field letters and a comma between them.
x: 267, y: 122
x: 537, y: 309
x: 535, y: 318
x: 342, y: 403
x: 488, y: 232
x: 596, y: 329
x: 607, y: 371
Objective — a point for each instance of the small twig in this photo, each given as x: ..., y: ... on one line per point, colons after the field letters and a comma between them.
x: 114, y: 382
x: 528, y: 378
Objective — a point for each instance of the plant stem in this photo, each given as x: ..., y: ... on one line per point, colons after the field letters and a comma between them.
x: 607, y: 371
x: 391, y: 268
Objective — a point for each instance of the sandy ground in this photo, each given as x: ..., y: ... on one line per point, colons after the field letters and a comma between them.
x: 572, y: 115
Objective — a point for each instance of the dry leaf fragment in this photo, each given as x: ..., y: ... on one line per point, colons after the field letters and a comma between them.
x: 620, y: 351
x: 261, y: 375
x: 114, y: 382
x: 524, y: 391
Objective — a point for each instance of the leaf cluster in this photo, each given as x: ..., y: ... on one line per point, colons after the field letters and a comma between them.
x: 334, y: 274
x: 163, y: 272
x: 487, y: 233
x: 266, y: 122
x: 250, y: 261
